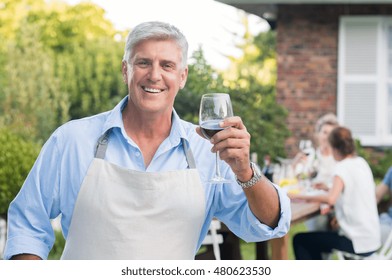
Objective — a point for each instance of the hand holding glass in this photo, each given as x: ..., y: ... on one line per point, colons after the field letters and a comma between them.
x: 214, y: 108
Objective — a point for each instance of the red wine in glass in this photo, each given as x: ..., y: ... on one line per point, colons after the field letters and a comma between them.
x: 210, y: 128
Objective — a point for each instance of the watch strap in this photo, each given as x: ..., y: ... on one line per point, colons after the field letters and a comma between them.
x: 257, y: 176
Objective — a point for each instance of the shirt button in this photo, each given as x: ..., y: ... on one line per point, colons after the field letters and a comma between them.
x: 137, y: 154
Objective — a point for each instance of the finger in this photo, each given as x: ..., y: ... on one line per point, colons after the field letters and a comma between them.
x: 238, y: 155
x: 229, y: 133
x: 233, y: 148
x: 233, y: 122
x: 233, y: 141
x: 238, y: 159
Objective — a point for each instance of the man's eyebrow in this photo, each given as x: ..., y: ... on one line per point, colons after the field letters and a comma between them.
x: 140, y: 58
x: 169, y: 61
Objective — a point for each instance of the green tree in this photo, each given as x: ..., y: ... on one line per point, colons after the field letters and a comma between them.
x: 251, y: 79
x: 86, y: 55
x: 12, y: 14
x: 202, y: 78
x: 59, y: 62
x: 64, y: 26
x: 17, y: 156
x: 32, y: 104
x: 91, y: 77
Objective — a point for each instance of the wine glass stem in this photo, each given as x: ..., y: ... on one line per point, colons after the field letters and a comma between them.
x: 217, y: 170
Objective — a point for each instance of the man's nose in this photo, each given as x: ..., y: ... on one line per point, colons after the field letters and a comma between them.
x: 155, y: 73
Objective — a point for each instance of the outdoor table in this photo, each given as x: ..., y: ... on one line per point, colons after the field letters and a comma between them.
x: 300, y: 211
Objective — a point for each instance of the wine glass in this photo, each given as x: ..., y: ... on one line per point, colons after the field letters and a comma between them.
x: 305, y: 146
x: 308, y: 171
x: 214, y: 107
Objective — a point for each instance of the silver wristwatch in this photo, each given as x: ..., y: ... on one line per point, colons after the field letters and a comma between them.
x: 257, y: 176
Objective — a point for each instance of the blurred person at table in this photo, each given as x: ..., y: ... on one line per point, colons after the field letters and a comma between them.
x: 325, y: 161
x: 129, y: 183
x: 324, y: 165
x: 353, y: 196
x: 321, y: 166
x: 318, y: 163
x: 384, y: 189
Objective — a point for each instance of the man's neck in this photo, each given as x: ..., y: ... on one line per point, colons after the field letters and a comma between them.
x: 147, y: 131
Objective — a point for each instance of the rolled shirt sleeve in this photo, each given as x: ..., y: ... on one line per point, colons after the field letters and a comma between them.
x: 233, y: 210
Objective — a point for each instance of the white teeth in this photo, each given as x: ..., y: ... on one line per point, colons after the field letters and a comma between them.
x: 153, y: 90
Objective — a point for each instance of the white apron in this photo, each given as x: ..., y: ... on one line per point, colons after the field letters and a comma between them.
x: 125, y: 214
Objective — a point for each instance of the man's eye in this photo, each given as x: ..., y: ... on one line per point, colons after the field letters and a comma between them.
x: 142, y: 63
x: 168, y: 66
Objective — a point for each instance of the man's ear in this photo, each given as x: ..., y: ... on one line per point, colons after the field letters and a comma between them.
x: 184, y: 76
x: 124, y: 70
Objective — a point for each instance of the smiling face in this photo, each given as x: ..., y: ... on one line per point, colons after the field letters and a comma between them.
x: 154, y: 75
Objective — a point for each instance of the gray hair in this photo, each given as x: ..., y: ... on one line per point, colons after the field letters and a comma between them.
x: 158, y: 31
x: 329, y: 119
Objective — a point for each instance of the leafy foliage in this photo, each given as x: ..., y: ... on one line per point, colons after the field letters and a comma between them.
x: 17, y: 156
x: 32, y: 103
x: 379, y: 162
x: 12, y: 14
x: 91, y: 77
x: 251, y: 79
x: 60, y: 62
x: 63, y: 26
x: 202, y: 78
x: 381, y: 167
x: 251, y: 83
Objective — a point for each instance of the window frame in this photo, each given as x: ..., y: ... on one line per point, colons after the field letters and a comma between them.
x: 381, y: 136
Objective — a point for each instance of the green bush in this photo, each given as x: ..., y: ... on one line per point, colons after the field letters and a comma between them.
x: 380, y: 167
x: 17, y: 156
x: 379, y: 160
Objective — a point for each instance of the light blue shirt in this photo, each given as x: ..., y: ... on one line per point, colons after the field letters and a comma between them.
x: 388, y: 178
x: 53, y: 183
x: 388, y: 182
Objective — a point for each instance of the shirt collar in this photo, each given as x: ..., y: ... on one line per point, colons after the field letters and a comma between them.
x: 115, y: 116
x: 115, y: 120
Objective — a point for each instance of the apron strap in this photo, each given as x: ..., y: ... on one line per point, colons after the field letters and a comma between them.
x: 102, y: 144
x: 103, y: 141
x: 188, y: 154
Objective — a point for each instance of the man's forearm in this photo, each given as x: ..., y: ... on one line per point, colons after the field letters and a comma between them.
x: 263, y: 200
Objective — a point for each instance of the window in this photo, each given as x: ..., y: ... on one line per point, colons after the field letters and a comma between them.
x: 365, y: 78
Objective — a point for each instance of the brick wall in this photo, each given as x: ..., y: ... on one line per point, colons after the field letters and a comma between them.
x: 307, y: 49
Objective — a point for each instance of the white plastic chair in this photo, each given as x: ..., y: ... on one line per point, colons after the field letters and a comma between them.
x: 384, y: 253
x: 3, y: 236
x: 213, y: 238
